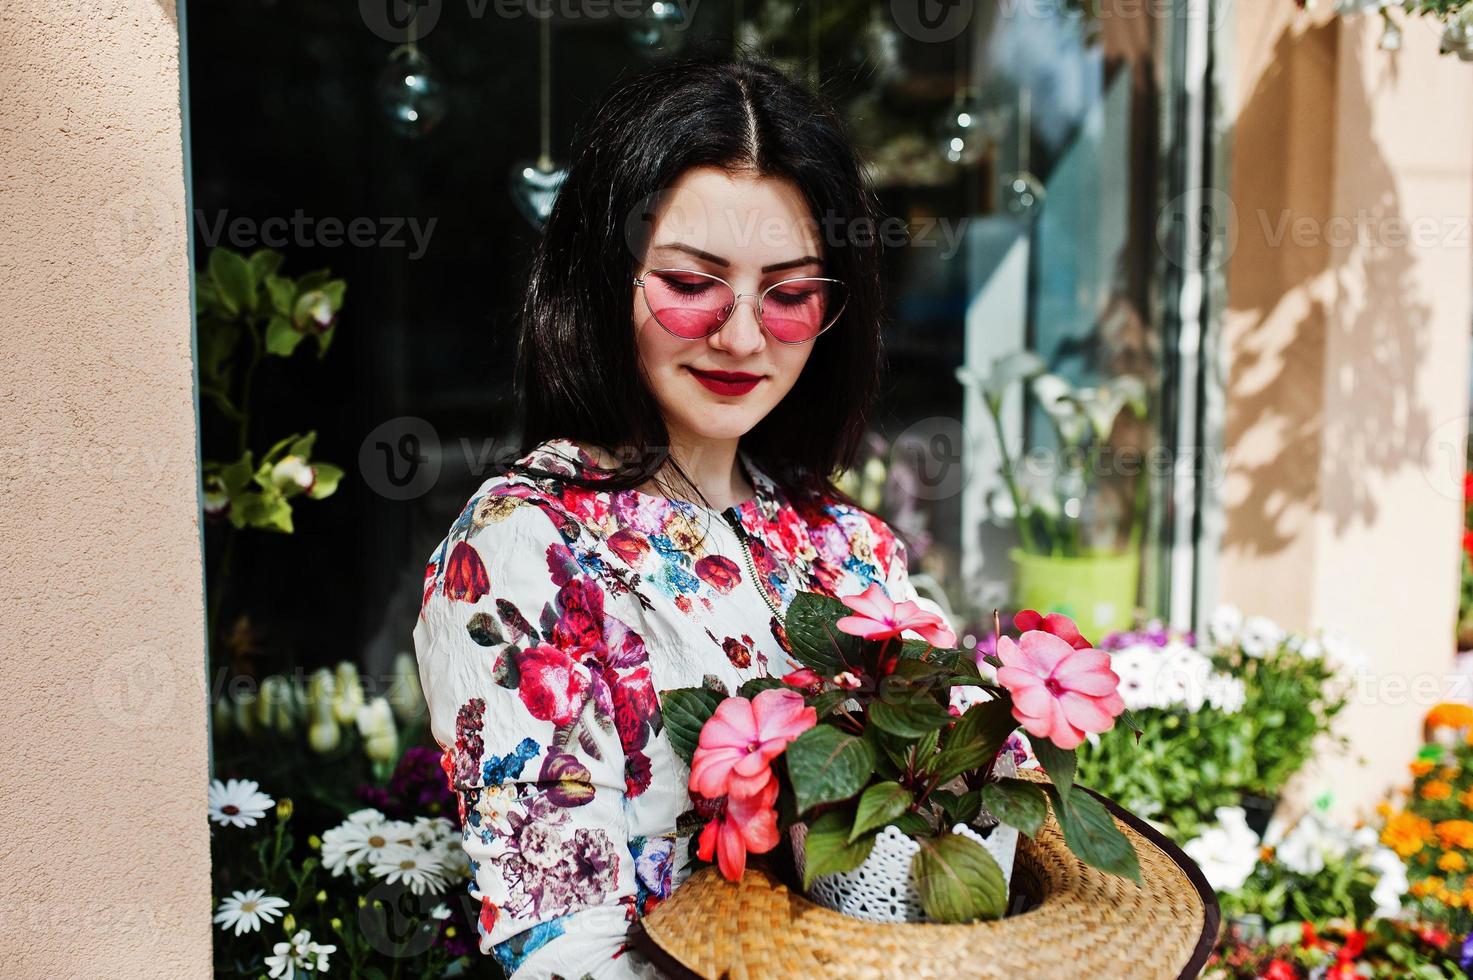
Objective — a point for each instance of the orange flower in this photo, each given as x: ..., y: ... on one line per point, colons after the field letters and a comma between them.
x: 1466, y: 798
x: 1406, y: 833
x: 1451, y: 861
x: 1450, y: 713
x: 1420, y: 767
x: 1420, y: 889
x: 1455, y: 834
x: 1436, y: 789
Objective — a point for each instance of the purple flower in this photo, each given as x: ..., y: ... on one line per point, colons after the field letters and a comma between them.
x: 1466, y: 960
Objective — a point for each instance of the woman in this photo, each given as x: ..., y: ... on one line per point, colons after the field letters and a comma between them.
x: 700, y: 346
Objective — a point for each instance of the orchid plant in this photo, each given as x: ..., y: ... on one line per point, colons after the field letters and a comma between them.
x: 885, y: 723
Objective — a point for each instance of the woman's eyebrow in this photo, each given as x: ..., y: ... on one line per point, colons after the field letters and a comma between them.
x: 724, y: 263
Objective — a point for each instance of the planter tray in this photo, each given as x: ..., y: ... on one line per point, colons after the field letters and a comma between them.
x: 1081, y: 922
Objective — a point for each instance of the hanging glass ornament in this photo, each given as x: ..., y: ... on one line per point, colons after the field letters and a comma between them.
x: 660, y: 28
x: 970, y: 129
x: 1023, y: 194
x: 534, y: 187
x: 409, y: 93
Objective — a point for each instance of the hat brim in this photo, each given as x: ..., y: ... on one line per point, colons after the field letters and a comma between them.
x: 1080, y: 921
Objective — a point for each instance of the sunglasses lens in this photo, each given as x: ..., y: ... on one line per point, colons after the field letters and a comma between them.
x: 688, y: 304
x: 801, y: 309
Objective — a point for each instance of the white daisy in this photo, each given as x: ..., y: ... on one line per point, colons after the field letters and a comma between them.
x: 248, y: 911
x: 351, y: 843
x: 238, y: 803
x: 1261, y: 636
x: 1224, y: 626
x: 1227, y: 852
x: 420, y: 870
x: 300, y: 953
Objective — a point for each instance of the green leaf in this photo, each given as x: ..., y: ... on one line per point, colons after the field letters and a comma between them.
x: 958, y: 881
x: 1018, y: 803
x: 1058, y: 763
x: 825, y: 702
x: 827, y: 848
x: 757, y: 685
x: 283, y: 293
x: 815, y: 641
x: 912, y: 824
x: 686, y: 710
x: 264, y: 262
x: 826, y: 765
x: 233, y: 280
x: 1090, y: 832
x: 976, y: 739
x: 878, y: 805
x: 281, y: 337
x: 911, y: 718
x: 959, y: 807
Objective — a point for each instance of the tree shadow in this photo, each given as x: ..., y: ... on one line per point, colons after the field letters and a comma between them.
x: 1327, y: 249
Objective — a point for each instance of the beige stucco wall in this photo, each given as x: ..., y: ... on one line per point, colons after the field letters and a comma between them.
x: 103, y: 767
x: 1347, y: 337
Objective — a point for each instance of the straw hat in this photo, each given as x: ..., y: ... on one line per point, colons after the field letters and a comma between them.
x: 1085, y: 923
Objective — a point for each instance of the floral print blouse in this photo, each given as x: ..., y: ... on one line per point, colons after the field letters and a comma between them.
x: 552, y: 616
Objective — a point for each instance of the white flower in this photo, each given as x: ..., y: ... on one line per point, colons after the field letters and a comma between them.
x: 1182, y: 676
x: 238, y: 803
x: 1227, y: 852
x: 1136, y: 666
x: 1309, y: 843
x: 248, y: 911
x: 1224, y: 625
x: 419, y: 869
x: 380, y: 735
x: 1393, y: 884
x: 1260, y: 636
x: 440, y: 912
x: 361, y: 839
x: 301, y: 953
x: 1226, y: 693
x: 1341, y: 653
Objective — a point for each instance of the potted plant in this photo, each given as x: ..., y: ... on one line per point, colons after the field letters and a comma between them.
x: 1069, y: 556
x: 885, y: 757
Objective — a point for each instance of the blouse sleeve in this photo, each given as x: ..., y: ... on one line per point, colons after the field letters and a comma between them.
x: 520, y: 684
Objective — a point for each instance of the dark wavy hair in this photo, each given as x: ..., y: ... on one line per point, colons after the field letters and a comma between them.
x: 578, y: 372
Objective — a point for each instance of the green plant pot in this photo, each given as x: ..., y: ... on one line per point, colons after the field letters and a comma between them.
x: 1098, y: 592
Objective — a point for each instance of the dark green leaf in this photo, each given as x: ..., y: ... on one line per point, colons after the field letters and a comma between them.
x: 976, y: 739
x: 825, y: 765
x: 1018, y: 803
x: 1058, y: 763
x: 912, y: 824
x: 824, y: 703
x: 815, y: 641
x: 878, y: 805
x: 958, y: 880
x: 827, y: 848
x: 909, y: 719
x: 1090, y: 832
x: 233, y: 279
x: 757, y: 685
x: 685, y: 710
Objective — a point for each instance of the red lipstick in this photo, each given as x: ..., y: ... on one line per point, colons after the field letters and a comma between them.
x: 727, y: 382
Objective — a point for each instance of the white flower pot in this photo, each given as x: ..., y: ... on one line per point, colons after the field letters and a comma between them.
x: 881, y: 889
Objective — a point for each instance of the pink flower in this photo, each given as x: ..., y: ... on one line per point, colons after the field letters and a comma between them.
x: 880, y: 619
x: 804, y: 679
x: 1056, y: 623
x: 744, y: 823
x: 739, y: 742
x: 1059, y: 693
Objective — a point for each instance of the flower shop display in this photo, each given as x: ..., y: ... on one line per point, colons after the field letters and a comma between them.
x: 1072, y: 555
x: 887, y: 731
x: 1227, y: 718
x: 1385, y: 949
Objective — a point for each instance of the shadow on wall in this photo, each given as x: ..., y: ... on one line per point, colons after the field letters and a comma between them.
x: 1327, y: 331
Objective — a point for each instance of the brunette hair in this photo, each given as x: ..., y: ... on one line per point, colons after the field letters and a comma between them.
x: 577, y: 371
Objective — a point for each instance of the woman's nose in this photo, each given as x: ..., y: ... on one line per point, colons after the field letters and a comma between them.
x: 741, y: 334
